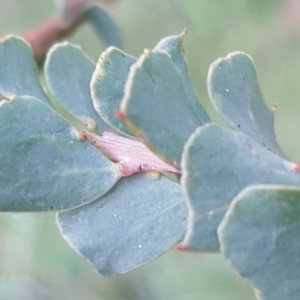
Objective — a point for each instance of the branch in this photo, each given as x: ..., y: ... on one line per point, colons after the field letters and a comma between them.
x: 56, y: 29
x: 132, y: 156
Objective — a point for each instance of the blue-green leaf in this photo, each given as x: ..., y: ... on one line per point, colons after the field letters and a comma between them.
x: 173, y: 45
x: 235, y: 94
x: 68, y: 74
x: 260, y: 237
x: 156, y: 107
x: 217, y: 165
x: 107, y: 86
x: 43, y: 166
x: 18, y: 71
x: 104, y: 25
x: 140, y: 219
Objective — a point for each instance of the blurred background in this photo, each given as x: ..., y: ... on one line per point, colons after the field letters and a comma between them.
x: 36, y: 263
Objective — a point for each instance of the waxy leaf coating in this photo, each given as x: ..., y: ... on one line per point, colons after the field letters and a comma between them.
x: 218, y: 164
x: 43, y: 166
x: 68, y: 74
x: 18, y: 70
x: 260, y: 238
x: 107, y: 86
x: 173, y: 45
x: 104, y: 25
x: 140, y: 219
x: 235, y: 94
x: 156, y: 107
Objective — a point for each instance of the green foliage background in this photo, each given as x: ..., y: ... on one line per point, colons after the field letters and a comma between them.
x: 35, y: 263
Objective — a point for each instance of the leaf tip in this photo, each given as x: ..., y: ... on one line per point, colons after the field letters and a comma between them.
x: 274, y: 108
x: 295, y: 167
x: 183, y: 33
x: 121, y: 115
x: 180, y: 248
x: 146, y: 53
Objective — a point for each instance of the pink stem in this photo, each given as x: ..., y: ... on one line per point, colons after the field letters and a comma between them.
x: 132, y: 156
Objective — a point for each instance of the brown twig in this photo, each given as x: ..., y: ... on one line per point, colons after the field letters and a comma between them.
x: 56, y: 29
x: 48, y: 33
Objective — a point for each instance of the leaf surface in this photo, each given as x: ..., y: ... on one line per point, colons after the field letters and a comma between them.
x: 18, y: 72
x: 156, y: 108
x: 68, y: 74
x: 235, y: 94
x: 137, y: 221
x: 104, y: 25
x: 43, y: 166
x: 107, y: 86
x: 217, y: 165
x: 173, y: 45
x: 260, y: 237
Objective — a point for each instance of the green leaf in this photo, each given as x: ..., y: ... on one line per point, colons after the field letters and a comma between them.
x: 107, y: 86
x: 137, y: 221
x: 235, y: 94
x: 156, y: 107
x: 42, y: 165
x: 104, y: 25
x: 260, y: 237
x: 217, y: 165
x: 18, y: 72
x: 68, y: 73
x: 173, y: 45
